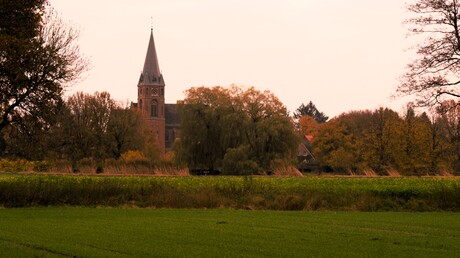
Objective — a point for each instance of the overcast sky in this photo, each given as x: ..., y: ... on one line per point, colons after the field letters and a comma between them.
x: 342, y: 54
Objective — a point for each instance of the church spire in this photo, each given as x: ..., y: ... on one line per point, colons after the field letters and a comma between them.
x: 151, y: 72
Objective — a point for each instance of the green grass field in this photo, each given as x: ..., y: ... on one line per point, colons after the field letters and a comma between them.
x: 116, y: 232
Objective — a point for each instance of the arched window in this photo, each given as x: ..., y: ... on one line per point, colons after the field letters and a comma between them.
x: 140, y: 104
x: 154, y: 109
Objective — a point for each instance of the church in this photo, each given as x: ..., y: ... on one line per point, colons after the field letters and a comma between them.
x: 162, y: 117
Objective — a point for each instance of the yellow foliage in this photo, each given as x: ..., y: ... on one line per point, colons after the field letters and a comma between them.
x: 133, y: 156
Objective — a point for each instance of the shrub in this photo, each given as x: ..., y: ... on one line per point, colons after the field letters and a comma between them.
x: 133, y: 156
x: 14, y: 166
x: 41, y: 166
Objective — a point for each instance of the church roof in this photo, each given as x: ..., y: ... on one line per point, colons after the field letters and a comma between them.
x: 151, y: 72
x: 172, y: 115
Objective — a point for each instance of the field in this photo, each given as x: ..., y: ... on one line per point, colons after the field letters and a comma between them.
x: 255, y: 193
x: 99, y: 216
x: 115, y: 232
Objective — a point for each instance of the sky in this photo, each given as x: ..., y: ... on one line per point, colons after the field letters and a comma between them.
x: 342, y: 55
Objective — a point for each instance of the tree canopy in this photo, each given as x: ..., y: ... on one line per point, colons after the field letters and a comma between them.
x: 241, y: 131
x: 310, y: 110
x: 383, y: 141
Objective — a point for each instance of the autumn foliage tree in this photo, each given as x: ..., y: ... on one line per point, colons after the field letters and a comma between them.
x: 308, y: 125
x: 415, y: 143
x: 241, y: 131
x: 334, y: 147
x: 383, y: 141
x: 449, y: 122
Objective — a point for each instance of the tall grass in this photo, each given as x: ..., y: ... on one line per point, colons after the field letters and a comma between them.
x: 279, y: 193
x: 90, y: 167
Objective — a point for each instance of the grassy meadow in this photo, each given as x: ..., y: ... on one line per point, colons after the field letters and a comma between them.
x: 117, y: 232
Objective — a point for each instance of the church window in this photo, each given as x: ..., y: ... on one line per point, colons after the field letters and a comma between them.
x: 154, y: 109
x: 140, y: 104
x: 147, y: 91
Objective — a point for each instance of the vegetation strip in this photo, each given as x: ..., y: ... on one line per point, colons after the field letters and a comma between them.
x: 266, y: 193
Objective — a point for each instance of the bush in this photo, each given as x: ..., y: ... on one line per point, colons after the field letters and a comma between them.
x: 41, y: 166
x: 14, y: 166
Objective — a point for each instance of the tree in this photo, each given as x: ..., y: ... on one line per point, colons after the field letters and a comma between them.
x: 96, y: 127
x: 449, y: 112
x: 82, y: 126
x: 434, y: 75
x: 221, y: 126
x: 204, y: 139
x: 310, y: 110
x: 415, y: 143
x: 268, y: 128
x: 382, y: 141
x: 334, y: 146
x: 360, y: 140
x: 357, y: 126
x: 38, y: 57
x: 124, y: 131
x: 308, y: 125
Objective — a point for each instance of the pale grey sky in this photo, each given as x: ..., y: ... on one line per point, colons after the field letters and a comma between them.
x: 342, y: 54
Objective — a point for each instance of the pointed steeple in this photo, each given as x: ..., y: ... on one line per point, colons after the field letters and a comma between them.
x: 151, y: 72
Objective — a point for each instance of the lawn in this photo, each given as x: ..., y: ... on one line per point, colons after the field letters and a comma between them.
x: 128, y: 232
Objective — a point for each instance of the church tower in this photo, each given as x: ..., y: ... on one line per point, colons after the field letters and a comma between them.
x: 151, y: 93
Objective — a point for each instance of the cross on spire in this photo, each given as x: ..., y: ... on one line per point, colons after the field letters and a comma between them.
x: 151, y: 23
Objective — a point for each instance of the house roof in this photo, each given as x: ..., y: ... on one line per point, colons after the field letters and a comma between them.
x: 305, y: 148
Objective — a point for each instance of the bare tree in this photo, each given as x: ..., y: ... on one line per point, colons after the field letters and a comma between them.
x: 433, y: 76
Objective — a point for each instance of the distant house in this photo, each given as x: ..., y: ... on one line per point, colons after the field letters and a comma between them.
x: 163, y: 118
x: 306, y: 161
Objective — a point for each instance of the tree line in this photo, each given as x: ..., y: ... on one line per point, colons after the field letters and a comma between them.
x: 233, y: 130
x: 384, y: 141
x: 84, y: 126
